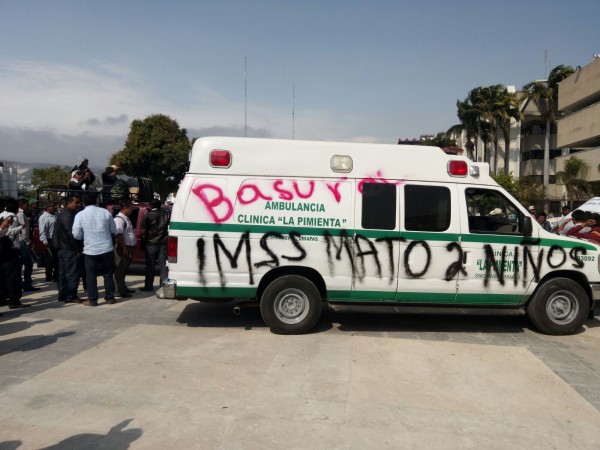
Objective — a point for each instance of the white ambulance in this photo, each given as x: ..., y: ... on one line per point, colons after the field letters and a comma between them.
x: 293, y: 224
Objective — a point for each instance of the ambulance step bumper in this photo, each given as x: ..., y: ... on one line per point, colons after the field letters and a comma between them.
x: 169, y: 288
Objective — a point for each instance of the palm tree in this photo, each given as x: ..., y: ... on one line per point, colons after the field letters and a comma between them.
x: 468, y: 126
x: 473, y: 113
x: 509, y: 110
x: 545, y: 95
x: 573, y: 178
x: 483, y: 113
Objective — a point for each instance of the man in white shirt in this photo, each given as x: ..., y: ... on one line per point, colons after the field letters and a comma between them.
x: 124, y: 248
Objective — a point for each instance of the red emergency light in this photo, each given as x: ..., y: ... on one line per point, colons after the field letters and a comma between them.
x: 220, y: 158
x: 458, y: 168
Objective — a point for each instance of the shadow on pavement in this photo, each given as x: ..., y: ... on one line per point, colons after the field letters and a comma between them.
x: 220, y: 315
x: 426, y: 323
x: 28, y: 343
x: 15, y: 327
x: 116, y: 439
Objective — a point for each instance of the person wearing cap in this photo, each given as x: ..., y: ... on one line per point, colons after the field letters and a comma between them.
x: 531, y: 210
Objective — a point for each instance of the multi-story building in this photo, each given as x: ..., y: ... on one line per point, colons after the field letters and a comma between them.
x: 577, y: 130
x: 8, y: 180
x: 579, y: 125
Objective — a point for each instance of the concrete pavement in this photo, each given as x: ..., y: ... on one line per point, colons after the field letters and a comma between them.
x: 153, y: 374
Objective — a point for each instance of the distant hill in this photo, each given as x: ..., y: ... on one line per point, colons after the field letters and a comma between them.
x: 24, y: 170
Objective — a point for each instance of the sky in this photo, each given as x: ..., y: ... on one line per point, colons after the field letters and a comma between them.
x: 75, y: 74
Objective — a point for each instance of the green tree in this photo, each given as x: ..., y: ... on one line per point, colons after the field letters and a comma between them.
x: 479, y: 117
x: 545, y: 95
x: 49, y: 176
x: 525, y: 191
x: 158, y: 148
x: 510, y: 109
x: 573, y: 177
x: 467, y: 125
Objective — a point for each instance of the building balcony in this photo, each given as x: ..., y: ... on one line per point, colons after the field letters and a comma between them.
x: 580, y: 129
x: 580, y: 89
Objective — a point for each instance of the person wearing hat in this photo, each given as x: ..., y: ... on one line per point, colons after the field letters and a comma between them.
x: 87, y: 174
x: 109, y: 178
x: 77, y: 183
x: 531, y: 210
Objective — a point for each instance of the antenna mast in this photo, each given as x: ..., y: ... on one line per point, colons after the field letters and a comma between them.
x: 245, y: 96
x: 293, y: 110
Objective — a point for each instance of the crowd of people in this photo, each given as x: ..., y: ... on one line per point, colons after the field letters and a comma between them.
x: 81, y: 240
x: 578, y: 224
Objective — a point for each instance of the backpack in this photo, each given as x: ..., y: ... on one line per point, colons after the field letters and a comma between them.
x: 119, y: 190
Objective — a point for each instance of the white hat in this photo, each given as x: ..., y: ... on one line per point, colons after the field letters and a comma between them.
x: 531, y: 208
x: 495, y: 212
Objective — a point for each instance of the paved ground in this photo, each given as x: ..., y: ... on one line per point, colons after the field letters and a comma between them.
x: 154, y: 374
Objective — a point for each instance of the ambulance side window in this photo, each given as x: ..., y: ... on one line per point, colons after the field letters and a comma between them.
x: 427, y: 208
x: 378, y: 206
x: 491, y: 212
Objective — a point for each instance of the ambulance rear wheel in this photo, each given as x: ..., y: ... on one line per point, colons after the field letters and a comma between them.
x: 291, y: 305
x: 560, y: 306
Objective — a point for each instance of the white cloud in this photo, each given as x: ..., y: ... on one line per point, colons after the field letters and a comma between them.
x: 64, y: 98
x: 54, y: 111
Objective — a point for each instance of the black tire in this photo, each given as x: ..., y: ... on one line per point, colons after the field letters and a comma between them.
x: 291, y: 305
x: 560, y: 306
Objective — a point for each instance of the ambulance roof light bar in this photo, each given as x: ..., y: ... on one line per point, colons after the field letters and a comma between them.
x: 220, y: 158
x: 458, y: 168
x: 341, y: 163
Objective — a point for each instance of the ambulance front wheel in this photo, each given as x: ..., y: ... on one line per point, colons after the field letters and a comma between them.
x: 560, y: 306
x: 291, y: 305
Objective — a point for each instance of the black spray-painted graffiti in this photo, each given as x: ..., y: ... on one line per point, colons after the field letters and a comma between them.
x: 499, y: 266
x: 360, y: 250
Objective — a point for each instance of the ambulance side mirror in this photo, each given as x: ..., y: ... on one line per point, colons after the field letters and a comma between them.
x: 526, y: 226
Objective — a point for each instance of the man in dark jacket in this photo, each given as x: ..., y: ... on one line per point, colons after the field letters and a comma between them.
x: 68, y: 249
x: 154, y: 233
